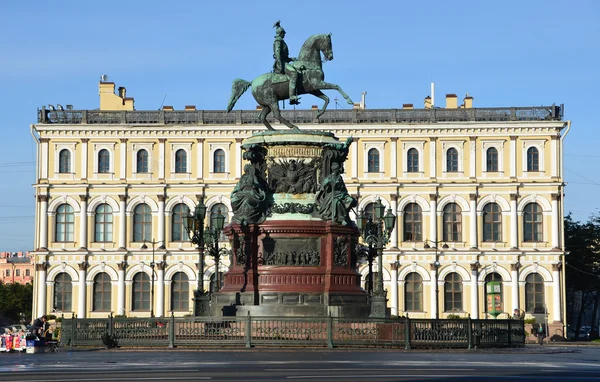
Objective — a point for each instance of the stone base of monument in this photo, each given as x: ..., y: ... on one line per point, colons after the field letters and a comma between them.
x: 292, y: 268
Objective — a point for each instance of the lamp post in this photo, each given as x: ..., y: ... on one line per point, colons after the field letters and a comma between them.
x: 203, y: 237
x: 152, y: 265
x: 436, y: 265
x: 376, y: 233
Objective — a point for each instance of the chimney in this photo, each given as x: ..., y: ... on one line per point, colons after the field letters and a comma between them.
x: 468, y: 102
x: 122, y: 92
x: 314, y: 107
x: 111, y: 101
x: 407, y: 106
x: 168, y: 108
x: 258, y: 107
x: 451, y: 101
x: 427, y: 102
x: 190, y: 107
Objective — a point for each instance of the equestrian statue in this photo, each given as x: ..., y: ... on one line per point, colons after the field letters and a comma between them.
x: 290, y: 77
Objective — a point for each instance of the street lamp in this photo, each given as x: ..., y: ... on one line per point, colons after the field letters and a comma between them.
x: 376, y: 233
x: 152, y: 264
x: 204, y: 237
x: 436, y: 265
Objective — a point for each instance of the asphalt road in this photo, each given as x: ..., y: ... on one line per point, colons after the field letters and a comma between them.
x: 539, y: 363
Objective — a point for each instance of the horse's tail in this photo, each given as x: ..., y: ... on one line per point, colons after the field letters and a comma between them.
x: 237, y: 89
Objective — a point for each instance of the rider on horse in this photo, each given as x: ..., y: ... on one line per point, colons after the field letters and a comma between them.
x: 282, y: 59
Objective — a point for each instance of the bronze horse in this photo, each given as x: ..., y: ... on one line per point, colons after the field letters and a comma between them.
x: 270, y: 88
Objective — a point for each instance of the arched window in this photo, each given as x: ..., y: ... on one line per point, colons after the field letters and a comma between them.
x: 141, y: 292
x: 65, y: 223
x: 103, y: 161
x: 369, y: 210
x: 492, y: 159
x: 373, y: 161
x: 533, y: 159
x: 219, y: 161
x: 452, y: 222
x: 453, y: 293
x: 532, y: 222
x: 225, y: 212
x: 64, y: 161
x: 142, y: 223
x: 102, y: 293
x: 413, y: 221
x: 413, y: 292
x: 412, y: 160
x: 492, y: 222
x: 178, y: 221
x: 452, y: 160
x: 534, y: 293
x: 370, y: 284
x: 142, y: 161
x: 180, y: 161
x: 103, y: 224
x: 63, y: 292
x: 180, y: 292
x: 213, y: 282
x: 489, y: 278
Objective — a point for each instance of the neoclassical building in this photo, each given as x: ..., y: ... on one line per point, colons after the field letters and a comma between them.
x: 478, y: 193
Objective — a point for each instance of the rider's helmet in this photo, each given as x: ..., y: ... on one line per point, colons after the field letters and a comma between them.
x: 279, y: 31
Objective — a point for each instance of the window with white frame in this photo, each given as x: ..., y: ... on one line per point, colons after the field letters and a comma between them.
x: 492, y: 155
x: 181, y: 153
x: 143, y: 158
x: 180, y: 161
x: 413, y: 157
x: 373, y: 160
x: 103, y: 158
x: 219, y: 158
x: 453, y: 157
x: 142, y: 161
x: 533, y: 156
x: 64, y: 161
x: 64, y: 158
x: 373, y: 153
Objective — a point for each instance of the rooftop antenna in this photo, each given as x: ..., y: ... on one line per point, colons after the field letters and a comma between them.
x: 336, y: 102
x: 432, y: 95
x: 163, y: 102
x: 103, y: 78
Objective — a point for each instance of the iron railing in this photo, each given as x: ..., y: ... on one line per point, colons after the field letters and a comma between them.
x: 291, y: 331
x: 359, y: 116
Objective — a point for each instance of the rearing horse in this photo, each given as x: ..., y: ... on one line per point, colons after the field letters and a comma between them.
x: 270, y: 88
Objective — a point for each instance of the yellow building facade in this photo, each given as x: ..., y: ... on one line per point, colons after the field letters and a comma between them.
x: 478, y: 193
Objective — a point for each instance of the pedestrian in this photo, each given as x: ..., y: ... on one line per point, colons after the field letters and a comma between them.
x: 39, y: 326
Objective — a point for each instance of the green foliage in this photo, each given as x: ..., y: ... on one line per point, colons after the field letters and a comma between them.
x: 16, y: 301
x: 529, y: 320
x: 453, y: 316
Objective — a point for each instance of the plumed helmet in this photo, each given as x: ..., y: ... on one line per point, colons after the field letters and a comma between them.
x: 279, y: 29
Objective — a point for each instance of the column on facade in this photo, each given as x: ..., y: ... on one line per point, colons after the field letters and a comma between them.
x: 161, y: 158
x: 514, y: 276
x: 556, y: 316
x: 122, y: 221
x: 354, y: 158
x: 433, y: 217
x: 432, y: 158
x: 200, y: 159
x: 473, y: 220
x: 161, y: 220
x: 123, y: 159
x: 555, y: 222
x: 434, y: 290
x: 44, y: 158
x: 513, y: 156
x: 81, y: 303
x: 472, y: 157
x: 160, y: 295
x: 394, y: 288
x: 41, y: 269
x: 43, y: 218
x: 121, y: 288
x: 394, y: 234
x: 474, y: 290
x: 394, y: 163
x: 238, y: 155
x: 514, y: 229
x: 84, y: 157
x: 83, y: 227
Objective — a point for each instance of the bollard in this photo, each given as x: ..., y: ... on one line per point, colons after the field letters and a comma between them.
x: 470, y: 332
x: 330, y: 331
x: 172, y: 331
x: 407, y: 332
x: 249, y: 331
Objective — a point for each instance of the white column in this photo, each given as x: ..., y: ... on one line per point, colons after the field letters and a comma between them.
x: 355, y: 159
x: 44, y: 158
x: 123, y: 159
x: 514, y: 275
x: 122, y: 222
x: 394, y: 164
x: 514, y: 231
x: 81, y: 303
x: 394, y: 288
x: 513, y: 156
x: 238, y: 153
x: 474, y: 291
x: 554, y: 157
x: 556, y: 316
x: 43, y: 219
x: 394, y: 234
x: 433, y: 217
x: 555, y: 222
x: 121, y: 289
x: 161, y: 158
x: 200, y: 158
x: 41, y: 293
x: 432, y: 158
x: 160, y: 295
x: 472, y: 157
x: 84, y: 157
x: 83, y: 222
x: 434, y: 291
x: 473, y: 220
x: 161, y: 220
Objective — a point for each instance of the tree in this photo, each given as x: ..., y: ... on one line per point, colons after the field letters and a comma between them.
x: 16, y: 301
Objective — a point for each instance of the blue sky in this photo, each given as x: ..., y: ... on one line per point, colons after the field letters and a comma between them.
x: 509, y: 53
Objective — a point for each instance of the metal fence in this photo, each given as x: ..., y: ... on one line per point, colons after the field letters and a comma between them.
x: 221, y: 117
x: 291, y: 331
